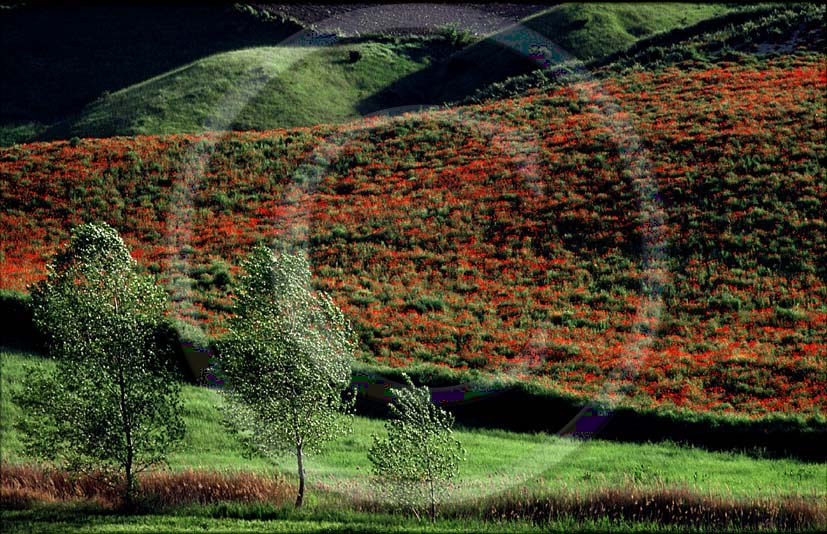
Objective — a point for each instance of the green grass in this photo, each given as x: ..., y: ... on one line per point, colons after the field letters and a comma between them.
x: 582, y: 30
x: 256, y: 89
x: 58, y: 59
x: 592, y: 30
x: 496, y: 460
x: 742, y: 35
x: 24, y: 132
x: 59, y: 519
x: 93, y: 75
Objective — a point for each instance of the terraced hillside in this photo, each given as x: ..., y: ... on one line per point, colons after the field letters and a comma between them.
x: 660, y: 234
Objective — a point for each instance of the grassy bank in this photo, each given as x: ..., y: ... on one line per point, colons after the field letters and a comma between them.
x: 497, y: 460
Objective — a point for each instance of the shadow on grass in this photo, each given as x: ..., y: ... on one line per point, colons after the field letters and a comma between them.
x: 69, y: 514
x: 522, y: 408
x: 96, y: 48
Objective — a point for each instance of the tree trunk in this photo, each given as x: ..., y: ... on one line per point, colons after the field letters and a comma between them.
x: 129, y: 490
x: 433, y: 501
x: 130, y: 486
x: 130, y: 449
x: 300, y: 496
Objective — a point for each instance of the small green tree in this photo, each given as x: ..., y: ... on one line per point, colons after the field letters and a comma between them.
x: 420, y: 454
x: 286, y: 361
x: 111, y: 403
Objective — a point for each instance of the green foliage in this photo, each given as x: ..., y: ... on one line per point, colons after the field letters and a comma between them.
x: 455, y: 36
x: 420, y: 454
x: 286, y: 360
x: 20, y: 132
x: 491, y: 453
x: 111, y: 402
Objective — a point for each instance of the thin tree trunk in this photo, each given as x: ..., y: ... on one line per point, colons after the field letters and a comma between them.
x: 300, y: 496
x: 432, y: 507
x: 127, y: 428
x: 433, y: 501
x: 130, y: 485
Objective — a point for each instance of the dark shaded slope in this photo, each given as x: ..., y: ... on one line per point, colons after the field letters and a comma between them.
x: 58, y: 59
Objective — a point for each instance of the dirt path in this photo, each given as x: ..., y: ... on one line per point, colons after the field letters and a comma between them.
x: 357, y: 19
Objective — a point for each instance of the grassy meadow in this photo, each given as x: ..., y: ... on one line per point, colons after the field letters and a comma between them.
x: 499, y: 464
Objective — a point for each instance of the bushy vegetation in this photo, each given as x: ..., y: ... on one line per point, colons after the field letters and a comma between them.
x: 110, y: 404
x: 419, y: 456
x: 286, y: 361
x: 27, y: 485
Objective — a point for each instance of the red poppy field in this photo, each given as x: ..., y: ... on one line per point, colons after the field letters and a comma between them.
x: 657, y: 235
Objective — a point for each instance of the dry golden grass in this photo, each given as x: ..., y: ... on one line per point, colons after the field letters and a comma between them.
x: 24, y: 484
x: 665, y: 506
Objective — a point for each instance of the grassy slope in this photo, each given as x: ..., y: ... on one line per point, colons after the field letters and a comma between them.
x: 497, y: 460
x: 762, y: 30
x: 738, y: 35
x: 595, y: 30
x: 257, y: 88
x: 91, y: 49
x: 170, y: 83
x: 581, y: 30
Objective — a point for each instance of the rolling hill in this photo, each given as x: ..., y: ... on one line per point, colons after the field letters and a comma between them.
x: 663, y: 226
x: 92, y: 49
x: 137, y: 70
x: 572, y: 30
x: 256, y: 89
x: 743, y: 35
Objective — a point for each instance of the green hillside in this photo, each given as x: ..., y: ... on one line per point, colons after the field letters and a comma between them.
x: 764, y: 30
x: 257, y: 89
x: 58, y: 59
x: 594, y: 30
x: 436, y: 243
x: 580, y: 30
x: 743, y: 35
x: 135, y: 70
